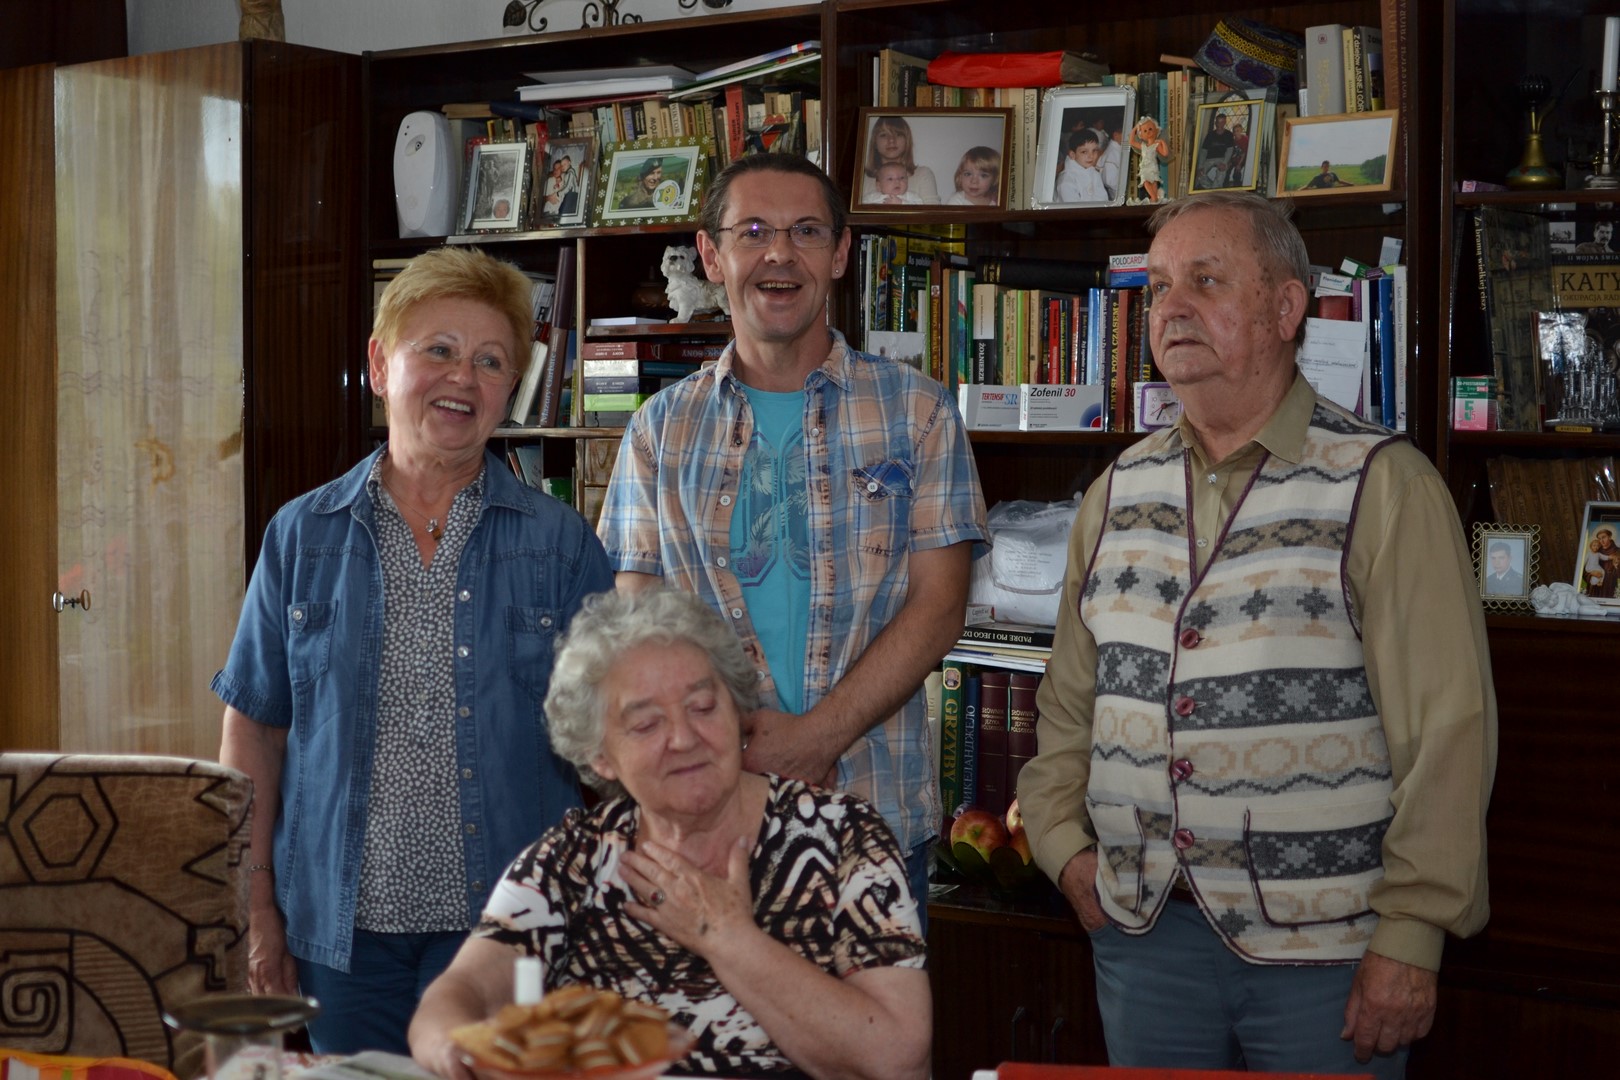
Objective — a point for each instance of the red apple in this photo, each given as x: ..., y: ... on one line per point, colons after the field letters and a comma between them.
x: 980, y: 830
x: 1019, y: 842
x: 1015, y: 819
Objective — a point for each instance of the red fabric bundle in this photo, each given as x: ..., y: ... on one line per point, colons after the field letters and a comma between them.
x: 997, y: 69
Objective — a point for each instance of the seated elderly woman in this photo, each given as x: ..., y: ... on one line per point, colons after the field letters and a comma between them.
x: 769, y: 917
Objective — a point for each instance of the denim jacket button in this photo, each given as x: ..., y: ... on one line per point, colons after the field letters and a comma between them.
x: 463, y: 652
x: 298, y: 614
x: 464, y: 595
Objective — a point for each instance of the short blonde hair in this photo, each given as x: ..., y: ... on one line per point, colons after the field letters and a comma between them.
x: 459, y: 273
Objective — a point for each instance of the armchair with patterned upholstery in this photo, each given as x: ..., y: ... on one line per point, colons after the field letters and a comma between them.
x: 122, y: 892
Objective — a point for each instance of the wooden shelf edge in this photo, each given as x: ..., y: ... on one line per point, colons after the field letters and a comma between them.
x: 557, y: 433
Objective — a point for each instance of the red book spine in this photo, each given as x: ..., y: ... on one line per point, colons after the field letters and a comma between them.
x: 993, y: 712
x: 1020, y: 725
x: 736, y: 121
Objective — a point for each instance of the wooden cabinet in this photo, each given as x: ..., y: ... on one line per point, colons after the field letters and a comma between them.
x: 186, y: 368
x: 1012, y: 981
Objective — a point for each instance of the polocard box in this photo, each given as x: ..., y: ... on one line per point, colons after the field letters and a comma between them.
x: 1059, y: 407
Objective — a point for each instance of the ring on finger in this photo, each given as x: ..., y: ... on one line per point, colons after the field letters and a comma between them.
x: 656, y: 898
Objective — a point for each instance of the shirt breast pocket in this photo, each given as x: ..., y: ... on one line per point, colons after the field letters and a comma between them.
x: 531, y: 636
x: 882, y: 497
x: 310, y: 626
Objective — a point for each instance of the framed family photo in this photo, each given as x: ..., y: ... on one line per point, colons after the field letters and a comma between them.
x: 1082, y: 153
x: 499, y: 181
x: 1507, y: 562
x: 652, y: 181
x: 1227, y: 143
x: 1597, y: 559
x: 566, y: 182
x: 1326, y: 154
x: 931, y: 160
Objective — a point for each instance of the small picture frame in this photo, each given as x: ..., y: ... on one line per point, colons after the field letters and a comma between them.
x: 1322, y: 155
x: 500, y: 175
x: 1226, y: 147
x: 652, y: 181
x: 1507, y: 560
x: 931, y: 161
x: 1597, y: 559
x: 566, y: 182
x: 1082, y: 154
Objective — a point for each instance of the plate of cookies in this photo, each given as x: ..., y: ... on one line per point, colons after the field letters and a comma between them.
x: 575, y: 1031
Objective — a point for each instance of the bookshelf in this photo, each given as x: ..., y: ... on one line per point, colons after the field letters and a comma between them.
x: 1551, y: 975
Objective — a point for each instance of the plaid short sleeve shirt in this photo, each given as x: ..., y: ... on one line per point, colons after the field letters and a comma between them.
x: 889, y: 471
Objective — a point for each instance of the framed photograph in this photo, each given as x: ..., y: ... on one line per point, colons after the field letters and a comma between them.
x: 1325, y: 154
x: 1507, y: 560
x: 1082, y: 153
x: 652, y: 181
x: 929, y: 159
x: 1597, y: 559
x: 1227, y: 145
x: 566, y: 182
x: 500, y: 175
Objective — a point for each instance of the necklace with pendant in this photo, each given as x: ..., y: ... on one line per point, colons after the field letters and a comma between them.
x: 433, y: 528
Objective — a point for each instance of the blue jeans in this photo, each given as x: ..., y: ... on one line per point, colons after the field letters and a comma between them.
x: 370, y: 1006
x: 1177, y: 997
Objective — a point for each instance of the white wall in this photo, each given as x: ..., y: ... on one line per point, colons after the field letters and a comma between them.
x: 354, y: 26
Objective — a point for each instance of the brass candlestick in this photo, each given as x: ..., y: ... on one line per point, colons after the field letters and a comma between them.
x: 1603, y: 173
x: 1532, y: 170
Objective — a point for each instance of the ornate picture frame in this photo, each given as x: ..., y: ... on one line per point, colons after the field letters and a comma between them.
x: 1597, y: 556
x: 652, y: 181
x: 1507, y: 562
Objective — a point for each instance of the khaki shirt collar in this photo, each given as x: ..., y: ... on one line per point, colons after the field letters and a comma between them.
x: 1282, y: 436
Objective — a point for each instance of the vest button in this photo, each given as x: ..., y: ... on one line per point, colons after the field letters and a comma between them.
x: 1183, y: 839
x: 1181, y: 770
x: 1190, y: 639
x: 1185, y: 706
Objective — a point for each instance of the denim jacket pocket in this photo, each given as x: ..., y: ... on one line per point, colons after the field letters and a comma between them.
x: 310, y: 626
x: 531, y: 638
x: 882, y: 497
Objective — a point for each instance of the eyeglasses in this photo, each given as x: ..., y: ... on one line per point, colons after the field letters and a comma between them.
x: 491, y: 367
x: 804, y: 234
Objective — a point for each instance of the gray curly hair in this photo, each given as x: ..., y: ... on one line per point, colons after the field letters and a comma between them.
x: 608, y: 626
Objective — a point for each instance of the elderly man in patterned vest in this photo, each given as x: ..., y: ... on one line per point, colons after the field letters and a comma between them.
x: 1267, y: 731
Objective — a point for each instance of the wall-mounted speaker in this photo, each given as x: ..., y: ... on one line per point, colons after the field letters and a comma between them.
x: 424, y: 175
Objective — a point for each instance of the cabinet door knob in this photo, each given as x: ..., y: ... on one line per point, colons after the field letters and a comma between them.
x: 58, y: 601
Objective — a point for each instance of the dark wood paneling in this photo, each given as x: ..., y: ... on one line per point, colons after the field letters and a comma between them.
x: 61, y: 31
x: 303, y: 318
x: 28, y: 705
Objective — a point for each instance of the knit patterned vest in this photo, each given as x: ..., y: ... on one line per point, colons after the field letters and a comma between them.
x: 1235, y: 737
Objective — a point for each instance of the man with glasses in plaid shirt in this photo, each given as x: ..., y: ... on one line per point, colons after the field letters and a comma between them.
x: 823, y: 500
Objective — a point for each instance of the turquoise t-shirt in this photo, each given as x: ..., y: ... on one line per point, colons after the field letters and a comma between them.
x: 770, y: 546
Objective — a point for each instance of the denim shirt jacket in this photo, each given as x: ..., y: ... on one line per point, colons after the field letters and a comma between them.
x: 306, y: 658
